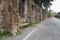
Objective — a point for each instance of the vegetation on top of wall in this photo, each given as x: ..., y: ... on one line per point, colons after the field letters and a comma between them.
x: 45, y: 3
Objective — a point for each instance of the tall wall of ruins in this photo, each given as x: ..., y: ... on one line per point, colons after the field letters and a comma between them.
x: 15, y: 12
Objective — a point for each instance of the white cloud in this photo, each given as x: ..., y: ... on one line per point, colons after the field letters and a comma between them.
x: 56, y: 6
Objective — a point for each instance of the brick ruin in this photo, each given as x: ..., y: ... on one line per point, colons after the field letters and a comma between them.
x: 15, y: 12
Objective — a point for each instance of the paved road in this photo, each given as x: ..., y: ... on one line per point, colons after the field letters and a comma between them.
x: 48, y: 30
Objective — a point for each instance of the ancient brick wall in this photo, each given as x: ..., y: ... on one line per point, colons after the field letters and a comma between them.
x: 34, y: 12
x: 15, y: 12
x: 1, y: 12
x: 31, y: 12
x: 9, y: 10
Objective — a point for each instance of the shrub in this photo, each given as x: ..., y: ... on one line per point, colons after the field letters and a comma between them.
x: 6, y: 34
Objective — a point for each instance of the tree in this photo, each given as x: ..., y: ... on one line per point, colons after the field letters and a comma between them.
x: 45, y: 3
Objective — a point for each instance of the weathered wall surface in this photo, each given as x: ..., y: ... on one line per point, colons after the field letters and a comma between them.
x: 13, y: 13
x: 34, y: 12
x: 9, y: 11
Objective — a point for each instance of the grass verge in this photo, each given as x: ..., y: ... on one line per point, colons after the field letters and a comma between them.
x: 8, y: 34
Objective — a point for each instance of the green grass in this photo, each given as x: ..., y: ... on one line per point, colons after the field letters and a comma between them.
x: 33, y: 23
x: 8, y: 34
x: 5, y: 34
x: 18, y: 32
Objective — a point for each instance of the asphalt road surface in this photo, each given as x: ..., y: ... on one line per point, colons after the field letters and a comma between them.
x: 48, y: 30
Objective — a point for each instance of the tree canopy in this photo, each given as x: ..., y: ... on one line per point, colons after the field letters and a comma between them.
x: 45, y: 3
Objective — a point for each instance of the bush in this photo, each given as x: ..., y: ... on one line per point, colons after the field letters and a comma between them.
x: 6, y: 34
x: 57, y: 16
x: 18, y: 32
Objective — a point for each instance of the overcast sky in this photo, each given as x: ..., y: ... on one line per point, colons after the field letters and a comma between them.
x: 56, y: 6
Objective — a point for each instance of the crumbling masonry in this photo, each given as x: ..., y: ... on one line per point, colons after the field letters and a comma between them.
x: 16, y: 12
